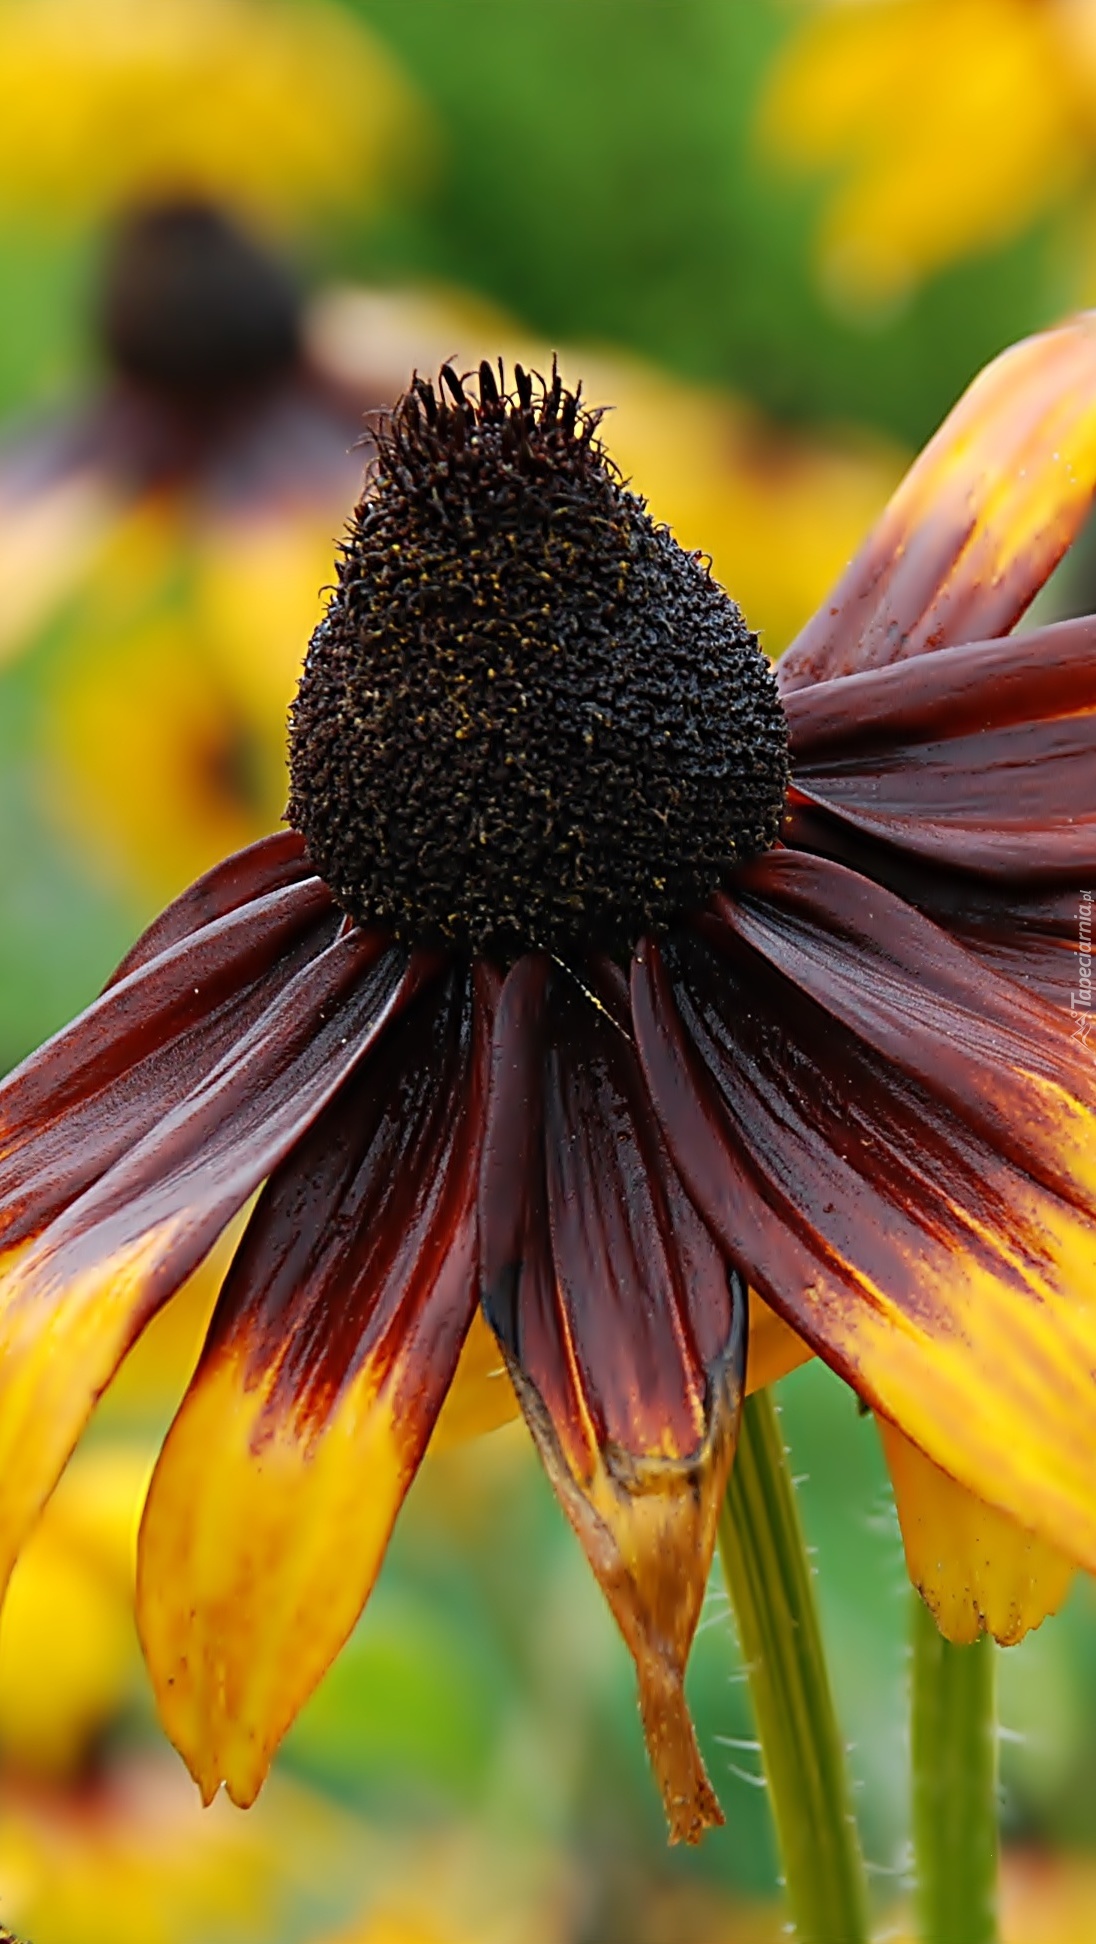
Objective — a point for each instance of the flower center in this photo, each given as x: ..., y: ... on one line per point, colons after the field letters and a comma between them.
x: 192, y: 308
x: 528, y: 717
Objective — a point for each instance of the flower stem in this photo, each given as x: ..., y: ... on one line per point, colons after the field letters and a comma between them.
x: 769, y: 1580
x: 953, y: 1733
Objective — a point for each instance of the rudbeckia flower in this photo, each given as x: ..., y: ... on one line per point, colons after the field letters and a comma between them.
x: 600, y: 977
x: 129, y: 1856
x: 163, y: 538
x: 180, y: 522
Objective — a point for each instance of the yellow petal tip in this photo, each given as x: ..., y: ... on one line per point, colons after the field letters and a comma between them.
x: 977, y: 1570
x: 242, y: 1793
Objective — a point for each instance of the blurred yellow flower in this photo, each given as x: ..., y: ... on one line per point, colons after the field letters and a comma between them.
x: 186, y: 643
x: 456, y: 1885
x: 1047, y: 1897
x: 282, y: 109
x: 68, y: 1646
x: 397, y: 1930
x: 467, y: 1894
x: 165, y: 543
x: 168, y: 539
x: 404, y: 1926
x: 946, y: 126
x: 133, y: 1859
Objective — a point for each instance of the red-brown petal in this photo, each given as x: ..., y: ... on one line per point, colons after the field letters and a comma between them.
x: 97, y: 1088
x: 73, y: 1301
x: 980, y: 759
x: 335, y: 1340
x: 1025, y: 931
x: 899, y: 1148
x: 978, y: 523
x: 623, y: 1330
x: 262, y: 867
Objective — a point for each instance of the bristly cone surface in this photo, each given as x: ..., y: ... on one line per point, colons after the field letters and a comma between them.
x: 529, y: 718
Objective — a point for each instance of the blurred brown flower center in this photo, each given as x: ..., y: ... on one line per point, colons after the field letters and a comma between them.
x: 193, y: 307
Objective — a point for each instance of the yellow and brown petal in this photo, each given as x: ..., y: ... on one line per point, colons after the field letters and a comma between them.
x: 341, y: 1322
x: 961, y: 782
x: 330, y: 1354
x: 896, y: 1145
x: 977, y: 1569
x: 623, y: 1330
x: 973, y: 759
x: 151, y: 1133
x: 978, y: 523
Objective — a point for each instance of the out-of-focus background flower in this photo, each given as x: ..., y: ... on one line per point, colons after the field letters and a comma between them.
x: 778, y: 239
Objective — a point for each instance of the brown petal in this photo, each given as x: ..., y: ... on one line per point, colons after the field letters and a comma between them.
x: 1028, y: 933
x: 980, y: 758
x: 898, y: 1148
x: 265, y: 866
x: 74, y: 1300
x: 978, y: 523
x: 97, y: 1088
x: 335, y: 1340
x: 623, y: 1330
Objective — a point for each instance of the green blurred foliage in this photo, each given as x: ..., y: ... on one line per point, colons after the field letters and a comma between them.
x: 598, y: 176
x: 44, y: 344
x: 601, y: 179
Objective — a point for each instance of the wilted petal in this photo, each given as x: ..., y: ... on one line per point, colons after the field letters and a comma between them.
x: 73, y: 1301
x: 335, y: 1340
x: 623, y: 1329
x: 481, y: 1396
x: 976, y: 1569
x: 899, y: 1149
x: 978, y: 523
x: 980, y: 758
